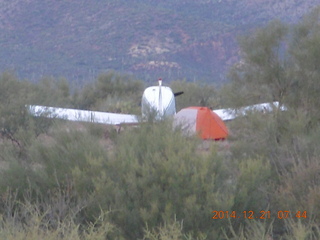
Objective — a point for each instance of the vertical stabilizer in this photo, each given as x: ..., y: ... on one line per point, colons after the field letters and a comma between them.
x: 160, y: 98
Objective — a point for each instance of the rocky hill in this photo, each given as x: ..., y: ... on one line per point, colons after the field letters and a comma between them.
x: 79, y: 39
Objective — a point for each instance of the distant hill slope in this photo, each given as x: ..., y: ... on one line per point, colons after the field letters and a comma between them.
x: 148, y: 38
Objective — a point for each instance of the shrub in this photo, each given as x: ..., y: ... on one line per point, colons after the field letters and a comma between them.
x: 120, y: 89
x: 157, y: 174
x: 68, y: 155
x: 29, y: 221
x: 195, y: 94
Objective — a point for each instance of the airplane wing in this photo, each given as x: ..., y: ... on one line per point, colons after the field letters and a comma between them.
x: 118, y: 118
x: 82, y: 115
x: 230, y: 114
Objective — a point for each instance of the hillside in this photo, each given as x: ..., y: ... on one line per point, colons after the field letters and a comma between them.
x: 180, y: 39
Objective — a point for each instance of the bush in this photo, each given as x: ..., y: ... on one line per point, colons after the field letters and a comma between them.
x: 30, y: 221
x: 68, y: 155
x: 195, y: 94
x: 157, y: 174
x: 120, y: 89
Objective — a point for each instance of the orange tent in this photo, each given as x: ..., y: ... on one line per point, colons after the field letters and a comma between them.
x: 203, y: 121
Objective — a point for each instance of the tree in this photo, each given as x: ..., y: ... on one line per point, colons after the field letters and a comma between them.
x: 195, y: 94
x: 280, y: 63
x: 305, y: 52
x: 111, y: 92
x: 13, y: 96
x: 262, y: 73
x: 51, y: 92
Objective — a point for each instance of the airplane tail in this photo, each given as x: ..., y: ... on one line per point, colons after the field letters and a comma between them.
x: 160, y: 97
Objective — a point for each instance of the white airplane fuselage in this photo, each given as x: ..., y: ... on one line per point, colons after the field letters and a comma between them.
x: 158, y: 100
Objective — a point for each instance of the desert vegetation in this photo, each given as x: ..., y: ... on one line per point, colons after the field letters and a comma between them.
x: 62, y: 180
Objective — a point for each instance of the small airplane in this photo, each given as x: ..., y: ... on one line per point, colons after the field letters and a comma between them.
x: 157, y: 100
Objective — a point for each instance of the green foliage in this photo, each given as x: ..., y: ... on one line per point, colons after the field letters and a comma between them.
x: 111, y: 92
x: 167, y: 232
x: 51, y: 92
x: 252, y: 195
x: 298, y: 189
x: 305, y: 52
x: 278, y: 64
x: 30, y: 221
x: 172, y: 230
x: 156, y: 174
x: 301, y: 229
x: 67, y: 156
x: 195, y: 94
x: 13, y: 97
x: 255, y: 229
x: 252, y: 185
x: 262, y: 74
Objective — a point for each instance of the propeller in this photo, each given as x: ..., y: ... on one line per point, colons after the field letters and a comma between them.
x: 178, y: 94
